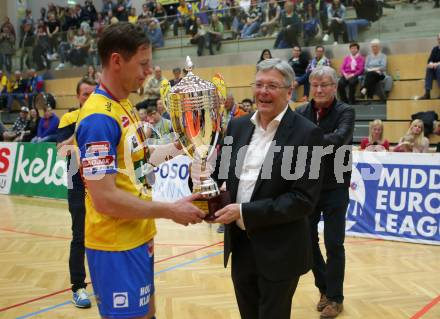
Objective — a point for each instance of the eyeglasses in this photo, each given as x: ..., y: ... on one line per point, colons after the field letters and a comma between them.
x: 322, y: 86
x: 272, y: 87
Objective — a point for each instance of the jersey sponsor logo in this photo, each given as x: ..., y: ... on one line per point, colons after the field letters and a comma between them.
x: 98, y: 164
x: 125, y: 121
x: 134, y: 143
x: 97, y: 148
x: 120, y: 300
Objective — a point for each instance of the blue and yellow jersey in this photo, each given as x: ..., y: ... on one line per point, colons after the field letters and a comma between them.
x: 111, y: 141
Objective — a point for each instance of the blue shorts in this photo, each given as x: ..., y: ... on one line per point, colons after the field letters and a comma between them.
x: 123, y: 281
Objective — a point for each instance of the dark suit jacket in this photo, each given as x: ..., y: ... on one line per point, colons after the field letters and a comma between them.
x: 276, y: 218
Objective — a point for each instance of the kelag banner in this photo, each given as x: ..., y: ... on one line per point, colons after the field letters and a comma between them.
x: 38, y: 172
x: 395, y: 196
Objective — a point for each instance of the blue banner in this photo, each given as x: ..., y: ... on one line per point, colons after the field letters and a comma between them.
x: 395, y: 196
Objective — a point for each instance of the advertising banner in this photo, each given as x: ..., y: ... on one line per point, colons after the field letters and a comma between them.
x: 7, y: 162
x: 172, y: 180
x: 395, y: 196
x: 38, y: 172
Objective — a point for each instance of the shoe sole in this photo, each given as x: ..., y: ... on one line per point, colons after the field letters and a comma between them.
x: 82, y: 307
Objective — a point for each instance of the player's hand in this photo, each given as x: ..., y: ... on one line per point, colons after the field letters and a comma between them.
x: 185, y: 213
x: 228, y: 214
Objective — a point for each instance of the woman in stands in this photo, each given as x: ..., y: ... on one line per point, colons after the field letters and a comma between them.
x: 32, y: 126
x: 93, y: 74
x: 375, y: 68
x: 352, y: 67
x: 375, y: 141
x: 265, y: 54
x: 421, y: 143
x: 336, y: 19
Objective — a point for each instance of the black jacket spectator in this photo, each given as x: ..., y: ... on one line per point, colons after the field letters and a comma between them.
x: 338, y: 126
x: 300, y: 65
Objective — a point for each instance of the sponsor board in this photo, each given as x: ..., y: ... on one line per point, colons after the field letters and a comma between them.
x: 38, y: 171
x: 395, y: 196
x: 7, y: 164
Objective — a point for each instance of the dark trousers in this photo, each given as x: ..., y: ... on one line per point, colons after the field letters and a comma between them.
x: 76, y: 260
x: 351, y: 83
x: 372, y: 79
x: 329, y: 276
x: 337, y: 29
x: 257, y: 297
x: 431, y: 75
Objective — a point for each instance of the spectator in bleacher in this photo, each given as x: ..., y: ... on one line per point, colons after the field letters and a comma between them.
x: 161, y: 110
x: 215, y: 33
x: 247, y: 105
x: 436, y: 128
x: 132, y: 17
x: 70, y: 20
x: 265, y: 54
x: 92, y: 74
x: 121, y: 10
x: 41, y: 49
x: 161, y: 126
x: 16, y: 132
x: 151, y: 89
x: 336, y: 19
x: 35, y: 85
x: 421, y: 143
x: 290, y: 28
x: 17, y: 87
x: 107, y: 5
x: 26, y: 47
x: 253, y: 20
x: 199, y: 35
x: 184, y: 16
x: 375, y: 71
x: 319, y: 60
x: 311, y: 23
x: 432, y: 70
x: 89, y: 13
x: 53, y: 27
x: 80, y: 47
x: 65, y: 48
x: 7, y: 47
x: 161, y: 15
x: 31, y: 128
x: 231, y: 110
x: 99, y: 24
x: 375, y: 141
x: 26, y: 20
x: 155, y: 34
x: 10, y: 25
x: 47, y: 128
x: 272, y: 14
x: 299, y: 64
x: 177, y: 73
x: 352, y: 67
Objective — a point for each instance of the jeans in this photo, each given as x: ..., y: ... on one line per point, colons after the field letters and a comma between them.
x: 302, y: 80
x: 77, y: 211
x: 249, y: 29
x: 432, y: 74
x: 329, y: 275
x: 48, y: 138
x: 6, y: 60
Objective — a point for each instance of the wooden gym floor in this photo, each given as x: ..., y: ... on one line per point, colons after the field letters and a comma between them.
x: 383, y: 279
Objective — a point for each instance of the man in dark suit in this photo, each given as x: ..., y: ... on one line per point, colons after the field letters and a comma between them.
x: 337, y: 121
x: 267, y: 228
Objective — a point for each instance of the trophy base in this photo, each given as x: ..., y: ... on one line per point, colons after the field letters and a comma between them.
x: 211, y: 205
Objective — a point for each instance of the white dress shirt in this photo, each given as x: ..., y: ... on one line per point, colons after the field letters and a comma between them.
x: 254, y: 158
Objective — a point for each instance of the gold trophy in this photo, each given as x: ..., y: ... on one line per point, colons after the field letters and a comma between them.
x: 194, y: 106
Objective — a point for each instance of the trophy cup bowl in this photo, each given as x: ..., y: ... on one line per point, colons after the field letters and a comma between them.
x: 194, y: 108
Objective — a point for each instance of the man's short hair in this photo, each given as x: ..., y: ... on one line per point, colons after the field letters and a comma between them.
x: 322, y: 71
x: 177, y: 70
x: 124, y: 38
x: 281, y: 66
x: 151, y: 109
x: 85, y: 80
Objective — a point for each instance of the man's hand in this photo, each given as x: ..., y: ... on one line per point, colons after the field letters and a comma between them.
x: 228, y: 214
x: 185, y: 213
